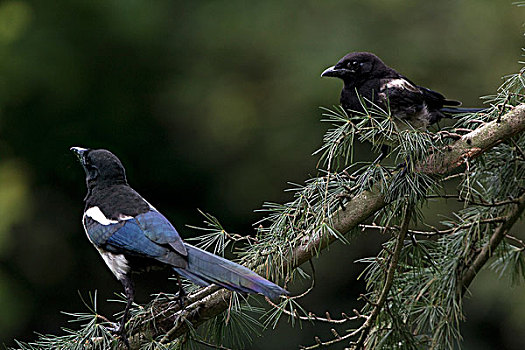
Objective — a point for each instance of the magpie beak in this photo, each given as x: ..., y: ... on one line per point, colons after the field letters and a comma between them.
x: 333, y: 72
x: 79, y: 151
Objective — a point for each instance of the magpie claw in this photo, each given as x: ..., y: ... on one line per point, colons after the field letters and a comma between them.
x: 118, y: 330
x: 181, y: 298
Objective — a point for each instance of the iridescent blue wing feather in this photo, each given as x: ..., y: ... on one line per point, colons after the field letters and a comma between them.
x: 146, y: 235
x: 157, y: 228
x: 97, y: 233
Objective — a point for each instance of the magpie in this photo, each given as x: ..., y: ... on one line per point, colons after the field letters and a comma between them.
x: 132, y: 236
x: 368, y: 80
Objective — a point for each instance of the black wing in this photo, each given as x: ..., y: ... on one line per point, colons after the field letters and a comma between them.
x: 435, y: 100
x: 401, y: 96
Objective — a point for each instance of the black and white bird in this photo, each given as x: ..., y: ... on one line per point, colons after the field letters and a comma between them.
x: 370, y: 81
x: 131, y: 235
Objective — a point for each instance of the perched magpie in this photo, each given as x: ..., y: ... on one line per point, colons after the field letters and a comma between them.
x: 367, y: 79
x: 132, y: 235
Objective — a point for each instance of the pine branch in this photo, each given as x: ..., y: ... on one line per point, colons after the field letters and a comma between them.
x: 488, y: 250
x: 435, y: 231
x: 470, y: 146
x: 211, y: 301
x: 313, y: 317
x: 475, y: 143
x: 367, y: 326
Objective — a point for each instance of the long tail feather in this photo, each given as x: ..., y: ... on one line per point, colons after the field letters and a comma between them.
x: 457, y: 110
x: 205, y: 268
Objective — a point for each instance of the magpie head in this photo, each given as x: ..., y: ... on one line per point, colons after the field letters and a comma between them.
x: 101, y: 166
x: 355, y: 67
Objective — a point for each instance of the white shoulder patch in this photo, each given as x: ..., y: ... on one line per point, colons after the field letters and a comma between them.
x: 400, y: 84
x: 123, y: 217
x: 96, y: 214
x: 117, y: 263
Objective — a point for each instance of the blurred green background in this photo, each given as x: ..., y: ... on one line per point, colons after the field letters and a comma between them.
x: 210, y: 105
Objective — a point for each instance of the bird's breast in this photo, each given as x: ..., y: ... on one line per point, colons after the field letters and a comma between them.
x: 117, y: 263
x: 418, y: 120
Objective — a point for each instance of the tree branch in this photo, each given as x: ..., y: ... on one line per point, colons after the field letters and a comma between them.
x: 389, y: 280
x: 211, y: 301
x: 488, y: 250
x: 476, y: 142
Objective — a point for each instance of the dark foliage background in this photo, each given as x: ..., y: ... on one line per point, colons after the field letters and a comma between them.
x: 210, y: 105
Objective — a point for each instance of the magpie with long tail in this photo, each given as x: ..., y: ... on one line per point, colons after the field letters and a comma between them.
x: 368, y: 81
x: 132, y: 236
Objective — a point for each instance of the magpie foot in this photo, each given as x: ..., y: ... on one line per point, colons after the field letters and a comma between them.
x: 181, y: 297
x: 118, y: 330
x: 113, y: 327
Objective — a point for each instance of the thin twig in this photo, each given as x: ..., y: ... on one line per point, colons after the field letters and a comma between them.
x: 435, y: 231
x: 482, y: 202
x: 488, y: 250
x: 518, y: 148
x: 463, y: 130
x: 313, y: 317
x: 366, y: 327
x: 444, y: 134
x: 238, y: 238
x: 213, y: 346
x: 516, y: 240
x: 453, y: 176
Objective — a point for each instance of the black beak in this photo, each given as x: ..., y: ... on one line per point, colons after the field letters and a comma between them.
x: 331, y: 72
x: 79, y: 151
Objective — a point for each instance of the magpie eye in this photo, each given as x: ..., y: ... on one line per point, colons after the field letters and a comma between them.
x: 353, y: 65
